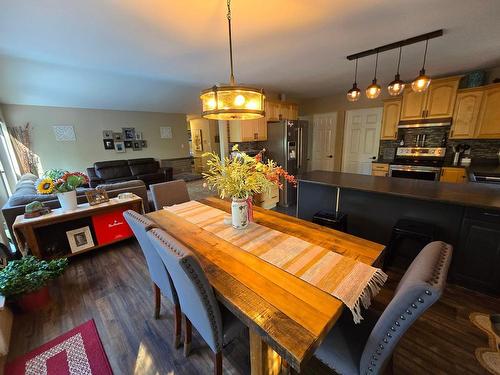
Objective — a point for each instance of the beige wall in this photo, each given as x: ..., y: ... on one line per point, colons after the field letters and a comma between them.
x: 89, y: 124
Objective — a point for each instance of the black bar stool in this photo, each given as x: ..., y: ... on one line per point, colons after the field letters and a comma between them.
x: 331, y: 219
x: 407, y: 239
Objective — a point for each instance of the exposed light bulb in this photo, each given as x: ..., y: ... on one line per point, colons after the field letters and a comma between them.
x: 396, y: 87
x: 252, y: 104
x: 421, y: 83
x: 354, y: 93
x: 373, y: 91
x: 211, y: 103
x: 239, y: 100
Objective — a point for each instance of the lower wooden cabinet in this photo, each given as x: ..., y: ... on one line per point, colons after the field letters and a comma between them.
x: 452, y: 174
x: 476, y: 260
x: 380, y: 169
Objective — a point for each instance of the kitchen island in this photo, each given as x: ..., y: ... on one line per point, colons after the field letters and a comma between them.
x: 465, y: 215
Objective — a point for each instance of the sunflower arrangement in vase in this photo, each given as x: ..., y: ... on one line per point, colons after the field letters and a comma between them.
x: 241, y: 177
x: 65, y: 188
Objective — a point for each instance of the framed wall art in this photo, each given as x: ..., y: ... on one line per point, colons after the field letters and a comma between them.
x: 109, y: 144
x: 120, y: 146
x: 64, y: 133
x: 128, y: 134
x: 107, y: 134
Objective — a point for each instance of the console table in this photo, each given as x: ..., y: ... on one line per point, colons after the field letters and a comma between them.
x: 64, y: 234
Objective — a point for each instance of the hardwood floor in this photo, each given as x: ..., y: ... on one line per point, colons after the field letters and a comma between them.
x: 112, y: 286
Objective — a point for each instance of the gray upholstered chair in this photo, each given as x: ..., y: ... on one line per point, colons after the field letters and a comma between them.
x: 162, y: 283
x: 367, y: 348
x: 214, y: 323
x: 169, y: 193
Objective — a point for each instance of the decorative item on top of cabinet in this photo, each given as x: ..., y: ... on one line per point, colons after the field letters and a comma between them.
x: 380, y: 169
x: 451, y: 174
x: 466, y: 113
x: 437, y: 102
x: 390, y: 119
x: 489, y: 114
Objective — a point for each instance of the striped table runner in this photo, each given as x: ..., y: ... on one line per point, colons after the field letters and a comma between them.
x: 353, y: 282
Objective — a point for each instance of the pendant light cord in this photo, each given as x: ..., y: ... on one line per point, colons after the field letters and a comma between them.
x: 376, y: 66
x: 399, y: 59
x: 425, y: 53
x: 231, y: 78
x: 356, y: 72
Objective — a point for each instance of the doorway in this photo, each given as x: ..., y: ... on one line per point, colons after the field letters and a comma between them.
x: 361, y: 140
x: 324, y: 131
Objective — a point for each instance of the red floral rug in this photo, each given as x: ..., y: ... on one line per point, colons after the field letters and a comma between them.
x: 77, y: 352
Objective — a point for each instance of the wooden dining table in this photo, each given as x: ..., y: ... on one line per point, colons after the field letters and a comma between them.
x: 287, y: 317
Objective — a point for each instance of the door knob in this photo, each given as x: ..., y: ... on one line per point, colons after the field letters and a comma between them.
x: 330, y: 156
x: 373, y: 157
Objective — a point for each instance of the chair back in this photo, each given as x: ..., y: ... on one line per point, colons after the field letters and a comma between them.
x: 140, y: 225
x: 169, y: 193
x: 196, y: 295
x: 421, y: 286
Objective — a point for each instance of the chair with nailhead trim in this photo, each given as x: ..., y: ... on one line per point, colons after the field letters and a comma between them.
x: 367, y: 348
x: 162, y: 283
x: 213, y: 322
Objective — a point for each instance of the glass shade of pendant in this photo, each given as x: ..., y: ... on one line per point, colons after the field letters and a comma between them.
x: 396, y: 87
x: 354, y: 93
x: 373, y: 91
x: 421, y: 83
x: 232, y: 103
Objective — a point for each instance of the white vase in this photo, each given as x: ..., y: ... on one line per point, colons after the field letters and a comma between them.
x: 68, y: 200
x: 239, y: 213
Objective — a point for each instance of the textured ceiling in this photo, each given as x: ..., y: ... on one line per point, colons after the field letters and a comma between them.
x: 156, y: 55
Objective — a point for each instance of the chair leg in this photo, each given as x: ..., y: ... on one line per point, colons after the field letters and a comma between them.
x: 218, y: 363
x: 157, y: 296
x: 389, y: 369
x: 177, y: 324
x: 187, y: 336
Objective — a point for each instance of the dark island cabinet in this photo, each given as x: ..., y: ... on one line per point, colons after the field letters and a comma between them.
x: 477, y: 258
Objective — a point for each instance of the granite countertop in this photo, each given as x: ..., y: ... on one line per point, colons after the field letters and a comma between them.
x: 469, y: 194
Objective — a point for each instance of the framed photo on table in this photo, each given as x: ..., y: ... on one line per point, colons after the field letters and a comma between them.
x: 96, y: 196
x: 80, y: 239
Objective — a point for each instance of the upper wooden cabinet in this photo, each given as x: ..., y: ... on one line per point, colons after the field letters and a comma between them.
x: 248, y: 130
x: 436, y: 102
x: 390, y: 119
x: 276, y: 111
x: 466, y: 114
x: 489, y: 114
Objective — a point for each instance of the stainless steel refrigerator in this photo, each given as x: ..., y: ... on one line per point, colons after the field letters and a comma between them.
x: 287, y: 145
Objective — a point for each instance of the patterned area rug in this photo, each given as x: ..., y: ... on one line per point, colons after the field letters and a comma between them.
x: 489, y: 358
x: 77, y: 352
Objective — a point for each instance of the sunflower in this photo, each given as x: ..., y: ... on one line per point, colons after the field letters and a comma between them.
x: 45, y: 186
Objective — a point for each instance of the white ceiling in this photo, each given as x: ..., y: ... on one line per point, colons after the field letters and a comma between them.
x: 155, y: 55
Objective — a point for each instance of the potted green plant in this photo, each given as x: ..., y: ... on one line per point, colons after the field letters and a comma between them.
x: 24, y: 281
x: 65, y: 187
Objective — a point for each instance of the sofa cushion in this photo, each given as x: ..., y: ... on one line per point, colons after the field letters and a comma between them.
x: 22, y: 199
x: 120, y: 185
x: 26, y: 185
x: 114, y: 169
x: 143, y: 166
x: 151, y: 176
x: 28, y: 176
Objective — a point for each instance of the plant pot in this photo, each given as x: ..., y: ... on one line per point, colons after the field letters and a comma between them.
x: 239, y: 213
x: 34, y: 301
x: 68, y: 200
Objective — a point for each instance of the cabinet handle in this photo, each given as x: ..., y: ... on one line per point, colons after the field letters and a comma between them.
x: 396, y: 134
x: 490, y: 214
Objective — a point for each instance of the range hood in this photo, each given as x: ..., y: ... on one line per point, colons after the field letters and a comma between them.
x: 425, y: 123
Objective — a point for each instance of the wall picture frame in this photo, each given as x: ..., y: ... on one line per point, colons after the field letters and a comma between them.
x: 165, y: 132
x: 64, y: 133
x: 128, y: 144
x: 138, y: 136
x: 118, y: 137
x: 80, y: 239
x: 120, y: 147
x: 128, y: 134
x: 137, y: 145
x: 96, y: 196
x: 144, y: 144
x: 109, y: 144
x: 107, y: 134
x: 198, y: 140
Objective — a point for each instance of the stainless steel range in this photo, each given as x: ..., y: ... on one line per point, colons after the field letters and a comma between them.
x: 421, y: 163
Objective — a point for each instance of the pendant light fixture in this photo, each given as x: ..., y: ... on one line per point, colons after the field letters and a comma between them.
x: 354, y: 93
x: 397, y: 86
x: 373, y: 91
x: 422, y: 82
x: 232, y: 102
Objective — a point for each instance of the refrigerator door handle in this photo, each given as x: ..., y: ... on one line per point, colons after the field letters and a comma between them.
x: 299, y: 149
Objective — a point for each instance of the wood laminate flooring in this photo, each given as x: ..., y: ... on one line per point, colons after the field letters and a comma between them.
x: 112, y: 286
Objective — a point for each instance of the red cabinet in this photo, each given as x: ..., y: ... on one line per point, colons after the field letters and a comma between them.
x: 111, y: 227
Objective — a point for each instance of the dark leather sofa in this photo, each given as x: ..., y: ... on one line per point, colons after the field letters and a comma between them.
x: 145, y: 169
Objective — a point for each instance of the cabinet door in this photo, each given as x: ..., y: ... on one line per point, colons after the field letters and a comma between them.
x: 272, y: 111
x: 293, y: 112
x: 413, y: 104
x: 249, y: 130
x: 441, y: 98
x: 489, y: 115
x: 390, y: 119
x: 455, y: 175
x: 262, y: 129
x: 466, y: 114
x: 476, y: 261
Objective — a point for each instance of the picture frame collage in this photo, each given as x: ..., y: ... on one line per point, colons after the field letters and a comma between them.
x: 128, y: 138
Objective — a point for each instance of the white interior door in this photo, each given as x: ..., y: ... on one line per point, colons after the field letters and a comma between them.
x: 361, y: 140
x: 323, y: 143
